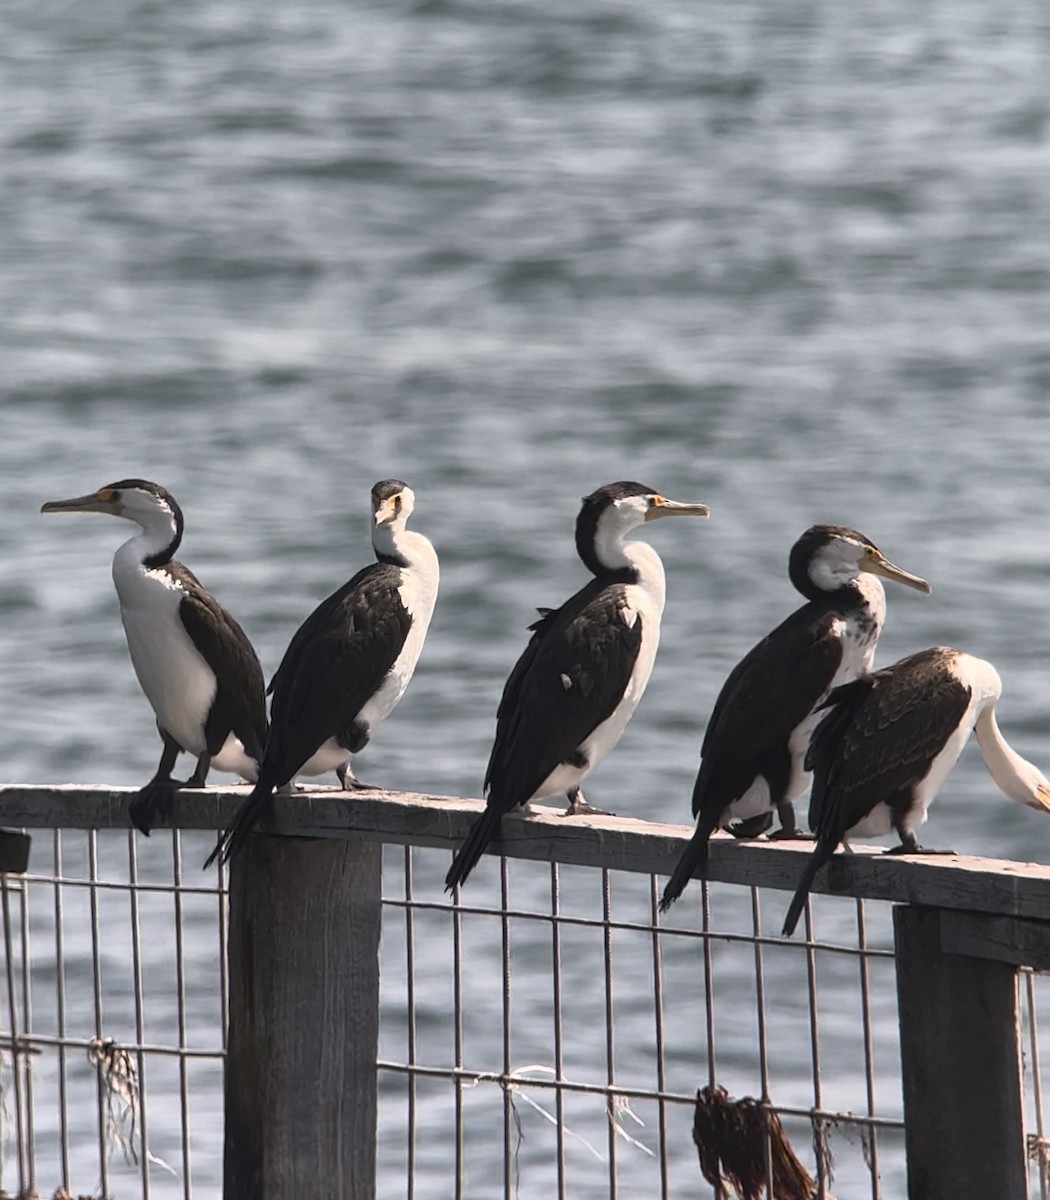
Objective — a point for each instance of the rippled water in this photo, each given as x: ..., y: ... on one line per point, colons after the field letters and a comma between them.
x: 788, y: 260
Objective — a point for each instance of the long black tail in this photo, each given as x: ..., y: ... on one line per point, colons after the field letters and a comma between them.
x: 820, y: 855
x: 466, y: 858
x: 248, y: 816
x: 694, y: 858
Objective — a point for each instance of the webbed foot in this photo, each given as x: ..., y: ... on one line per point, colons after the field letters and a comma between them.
x: 751, y: 827
x: 349, y: 782
x: 914, y: 848
x: 152, y: 804
x: 789, y: 830
x: 578, y: 806
x: 794, y: 834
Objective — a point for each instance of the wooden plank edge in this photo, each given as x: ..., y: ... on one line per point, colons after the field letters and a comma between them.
x: 983, y: 885
x: 1015, y: 940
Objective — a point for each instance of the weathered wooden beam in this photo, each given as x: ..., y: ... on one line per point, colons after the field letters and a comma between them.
x: 304, y: 1020
x: 960, y: 1066
x: 985, y: 885
x: 1014, y: 940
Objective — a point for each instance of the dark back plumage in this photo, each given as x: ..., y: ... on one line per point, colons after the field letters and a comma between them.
x: 569, y: 679
x: 333, y: 665
x: 767, y: 695
x: 875, y: 745
x: 240, y: 701
x: 879, y: 737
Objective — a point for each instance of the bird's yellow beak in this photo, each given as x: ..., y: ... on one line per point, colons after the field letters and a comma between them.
x: 660, y: 506
x: 105, y: 500
x: 388, y: 510
x: 877, y: 564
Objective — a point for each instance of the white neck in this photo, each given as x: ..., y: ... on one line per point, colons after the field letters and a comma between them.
x: 157, y: 531
x: 393, y: 540
x: 870, y: 587
x: 643, y: 559
x: 1014, y: 775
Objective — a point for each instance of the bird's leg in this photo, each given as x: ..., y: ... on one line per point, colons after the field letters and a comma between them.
x: 909, y: 844
x: 752, y: 827
x: 578, y: 806
x: 200, y: 774
x: 155, y: 799
x: 350, y: 782
x: 789, y: 830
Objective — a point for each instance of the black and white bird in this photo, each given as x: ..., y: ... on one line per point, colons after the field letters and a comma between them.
x: 752, y: 757
x: 349, y: 663
x: 886, y: 744
x: 577, y: 684
x: 193, y: 661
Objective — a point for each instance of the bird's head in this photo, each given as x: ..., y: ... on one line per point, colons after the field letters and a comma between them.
x: 392, y: 503
x: 611, y: 512
x: 138, y: 500
x: 827, y: 558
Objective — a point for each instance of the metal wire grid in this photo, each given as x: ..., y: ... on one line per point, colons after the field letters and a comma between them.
x: 527, y: 1046
x: 517, y: 1058
x: 113, y: 1037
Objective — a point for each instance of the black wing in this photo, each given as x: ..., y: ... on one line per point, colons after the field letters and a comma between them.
x: 240, y: 703
x: 569, y: 679
x: 316, y: 621
x: 333, y: 665
x: 880, y: 736
x: 766, y: 696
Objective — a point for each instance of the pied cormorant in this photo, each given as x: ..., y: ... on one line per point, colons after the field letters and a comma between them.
x: 192, y: 659
x: 756, y: 739
x: 572, y: 692
x: 349, y: 662
x: 886, y: 745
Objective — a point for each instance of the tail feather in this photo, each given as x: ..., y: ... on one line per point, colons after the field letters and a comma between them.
x: 693, y: 859
x: 466, y: 858
x: 248, y: 816
x: 817, y: 859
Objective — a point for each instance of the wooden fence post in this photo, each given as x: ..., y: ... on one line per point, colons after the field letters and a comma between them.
x: 961, y: 1067
x: 304, y: 1020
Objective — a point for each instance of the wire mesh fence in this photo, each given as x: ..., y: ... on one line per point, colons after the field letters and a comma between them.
x: 114, y: 1015
x: 559, y: 1047
x: 545, y: 1033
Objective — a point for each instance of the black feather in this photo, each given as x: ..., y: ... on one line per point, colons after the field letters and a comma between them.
x: 334, y: 664
x: 540, y: 721
x: 876, y: 744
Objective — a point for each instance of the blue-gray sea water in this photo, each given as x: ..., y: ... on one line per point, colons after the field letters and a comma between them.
x: 792, y: 260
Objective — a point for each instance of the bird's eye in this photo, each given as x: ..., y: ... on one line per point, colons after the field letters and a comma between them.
x: 106, y: 494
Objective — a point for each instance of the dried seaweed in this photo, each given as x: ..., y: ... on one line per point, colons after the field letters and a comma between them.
x: 740, y: 1141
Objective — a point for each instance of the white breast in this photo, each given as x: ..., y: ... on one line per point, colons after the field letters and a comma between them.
x: 643, y: 603
x: 418, y: 592
x: 177, y: 681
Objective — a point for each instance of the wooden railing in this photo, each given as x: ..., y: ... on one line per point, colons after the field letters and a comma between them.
x: 301, y: 1080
